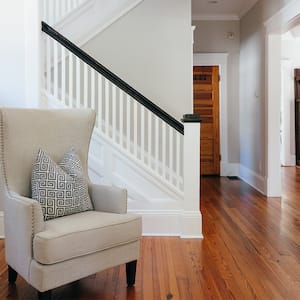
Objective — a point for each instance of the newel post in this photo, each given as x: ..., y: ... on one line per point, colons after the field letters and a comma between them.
x: 191, y: 218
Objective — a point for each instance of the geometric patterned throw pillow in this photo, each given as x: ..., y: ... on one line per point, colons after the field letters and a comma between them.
x: 61, y: 190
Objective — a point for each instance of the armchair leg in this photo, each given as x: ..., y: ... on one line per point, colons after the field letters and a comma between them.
x: 130, y: 272
x: 44, y: 295
x: 12, y: 275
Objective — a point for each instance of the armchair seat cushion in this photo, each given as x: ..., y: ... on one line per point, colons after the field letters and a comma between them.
x: 84, y: 233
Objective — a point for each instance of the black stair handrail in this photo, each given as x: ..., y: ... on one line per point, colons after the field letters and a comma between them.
x: 113, y: 78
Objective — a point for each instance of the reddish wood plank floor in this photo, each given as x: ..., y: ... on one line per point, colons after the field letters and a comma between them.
x: 251, y: 250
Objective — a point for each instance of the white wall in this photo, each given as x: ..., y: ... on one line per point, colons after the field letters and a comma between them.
x: 151, y: 49
x: 212, y: 37
x: 12, y: 53
x: 19, y: 52
x: 253, y: 128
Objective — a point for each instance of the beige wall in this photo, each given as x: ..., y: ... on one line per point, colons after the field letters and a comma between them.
x: 212, y: 37
x: 151, y: 49
x: 252, y: 85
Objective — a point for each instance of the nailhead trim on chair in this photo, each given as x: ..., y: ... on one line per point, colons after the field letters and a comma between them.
x: 2, y: 158
x: 2, y: 151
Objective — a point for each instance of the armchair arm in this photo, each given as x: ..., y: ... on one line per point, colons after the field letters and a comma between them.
x: 109, y: 198
x: 23, y: 218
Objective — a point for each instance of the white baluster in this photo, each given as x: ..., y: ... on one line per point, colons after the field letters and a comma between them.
x: 48, y: 64
x: 128, y: 120
x: 70, y: 79
x: 52, y: 13
x: 100, y: 101
x: 164, y: 149
x: 171, y: 156
x: 85, y: 85
x: 56, y: 10
x: 106, y: 107
x: 156, y: 143
x: 177, y: 159
x: 68, y: 5
x: 45, y: 17
x: 78, y: 81
x: 60, y: 9
x: 121, y: 106
x: 149, y: 131
x: 92, y: 71
x: 114, y: 112
x: 55, y: 68
x: 63, y: 8
x: 63, y: 74
x: 135, y: 128
x: 142, y: 146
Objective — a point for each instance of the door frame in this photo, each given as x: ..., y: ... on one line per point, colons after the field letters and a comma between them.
x: 220, y: 59
x: 286, y: 18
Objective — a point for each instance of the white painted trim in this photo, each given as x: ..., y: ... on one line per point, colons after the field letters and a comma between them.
x: 230, y: 169
x: 170, y: 223
x: 287, y: 114
x: 191, y: 224
x: 1, y: 225
x: 219, y: 59
x: 218, y: 17
x: 255, y: 180
x: 284, y: 19
x: 273, y: 93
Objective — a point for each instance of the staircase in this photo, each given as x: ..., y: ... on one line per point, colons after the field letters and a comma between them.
x: 135, y: 143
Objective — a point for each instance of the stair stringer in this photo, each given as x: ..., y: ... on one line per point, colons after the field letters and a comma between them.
x: 160, y: 207
x: 92, y: 17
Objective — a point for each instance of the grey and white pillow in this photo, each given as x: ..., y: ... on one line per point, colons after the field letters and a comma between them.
x: 60, y: 189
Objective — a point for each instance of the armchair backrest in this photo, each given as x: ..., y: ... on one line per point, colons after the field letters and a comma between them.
x: 24, y: 131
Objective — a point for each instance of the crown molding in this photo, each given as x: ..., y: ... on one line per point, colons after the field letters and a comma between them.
x: 215, y: 17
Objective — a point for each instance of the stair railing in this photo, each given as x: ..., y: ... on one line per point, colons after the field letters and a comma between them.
x: 148, y: 134
x: 150, y: 137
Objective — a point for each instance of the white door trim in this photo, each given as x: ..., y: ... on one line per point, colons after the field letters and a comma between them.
x: 220, y: 59
x: 285, y: 19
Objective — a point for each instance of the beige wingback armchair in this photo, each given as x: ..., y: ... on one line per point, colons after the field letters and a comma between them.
x: 48, y: 254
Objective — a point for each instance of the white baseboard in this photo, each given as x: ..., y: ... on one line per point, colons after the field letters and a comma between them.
x: 171, y: 223
x: 230, y: 169
x: 191, y: 225
x: 160, y: 223
x: 1, y: 225
x: 252, y: 178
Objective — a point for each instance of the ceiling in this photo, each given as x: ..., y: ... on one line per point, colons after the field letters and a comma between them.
x: 220, y: 9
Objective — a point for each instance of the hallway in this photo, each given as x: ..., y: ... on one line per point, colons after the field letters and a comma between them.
x: 251, y: 250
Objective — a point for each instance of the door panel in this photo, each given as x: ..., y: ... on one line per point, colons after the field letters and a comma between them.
x: 206, y: 103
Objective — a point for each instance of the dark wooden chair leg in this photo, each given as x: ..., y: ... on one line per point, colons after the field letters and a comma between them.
x: 130, y: 272
x: 12, y: 275
x: 45, y: 295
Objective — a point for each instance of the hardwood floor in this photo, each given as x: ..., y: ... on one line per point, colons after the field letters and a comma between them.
x: 251, y: 250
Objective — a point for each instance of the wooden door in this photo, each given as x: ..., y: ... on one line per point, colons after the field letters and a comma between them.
x: 297, y: 115
x: 206, y: 104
